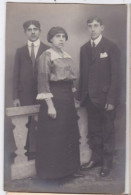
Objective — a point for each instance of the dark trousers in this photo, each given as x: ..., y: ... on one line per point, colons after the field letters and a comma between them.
x: 31, y: 139
x: 101, y: 133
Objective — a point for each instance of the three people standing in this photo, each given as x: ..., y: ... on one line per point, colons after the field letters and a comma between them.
x: 99, y: 86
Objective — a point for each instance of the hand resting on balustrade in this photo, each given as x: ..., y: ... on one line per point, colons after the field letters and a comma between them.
x: 16, y: 103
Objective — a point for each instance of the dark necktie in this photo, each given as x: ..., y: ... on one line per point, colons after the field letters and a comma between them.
x: 93, y: 44
x: 32, y: 54
x: 93, y: 50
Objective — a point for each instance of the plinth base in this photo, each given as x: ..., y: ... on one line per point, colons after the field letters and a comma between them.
x: 85, y: 154
x: 23, y: 170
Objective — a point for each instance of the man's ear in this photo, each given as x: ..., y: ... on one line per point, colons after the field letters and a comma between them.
x: 102, y: 27
x: 40, y: 31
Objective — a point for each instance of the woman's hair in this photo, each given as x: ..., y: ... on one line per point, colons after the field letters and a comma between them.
x: 29, y: 22
x: 56, y: 30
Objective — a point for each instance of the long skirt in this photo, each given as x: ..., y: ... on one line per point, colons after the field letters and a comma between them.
x: 57, y: 141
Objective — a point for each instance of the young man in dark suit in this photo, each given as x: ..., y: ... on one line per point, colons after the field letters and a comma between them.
x: 25, y: 74
x: 99, y: 90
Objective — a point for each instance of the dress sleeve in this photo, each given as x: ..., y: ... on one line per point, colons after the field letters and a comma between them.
x: 43, y: 64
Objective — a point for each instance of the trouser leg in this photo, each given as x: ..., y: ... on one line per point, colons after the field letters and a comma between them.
x: 108, y: 137
x: 31, y: 139
x: 94, y: 131
x: 27, y: 139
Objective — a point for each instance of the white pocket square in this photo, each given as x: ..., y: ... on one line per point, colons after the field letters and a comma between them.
x: 103, y: 55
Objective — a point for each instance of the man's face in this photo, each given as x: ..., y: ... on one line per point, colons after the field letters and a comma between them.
x: 32, y: 33
x: 95, y: 29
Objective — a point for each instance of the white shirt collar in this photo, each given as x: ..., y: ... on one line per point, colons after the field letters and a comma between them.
x: 55, y: 55
x: 36, y: 43
x: 96, y: 41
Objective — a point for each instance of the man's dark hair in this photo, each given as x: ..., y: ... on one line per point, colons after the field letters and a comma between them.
x: 91, y: 19
x: 29, y: 22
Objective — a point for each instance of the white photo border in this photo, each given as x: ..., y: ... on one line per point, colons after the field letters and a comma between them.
x: 2, y: 75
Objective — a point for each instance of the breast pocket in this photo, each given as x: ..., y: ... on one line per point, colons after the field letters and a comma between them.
x: 104, y: 59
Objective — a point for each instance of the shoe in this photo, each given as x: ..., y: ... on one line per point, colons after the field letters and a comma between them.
x: 104, y: 171
x: 91, y: 164
x: 78, y: 174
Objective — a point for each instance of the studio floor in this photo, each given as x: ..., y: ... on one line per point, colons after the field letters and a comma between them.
x: 91, y: 182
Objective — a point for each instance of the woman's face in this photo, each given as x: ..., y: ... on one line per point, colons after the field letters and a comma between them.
x: 58, y: 40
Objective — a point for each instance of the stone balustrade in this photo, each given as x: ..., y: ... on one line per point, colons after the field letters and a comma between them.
x: 22, y: 167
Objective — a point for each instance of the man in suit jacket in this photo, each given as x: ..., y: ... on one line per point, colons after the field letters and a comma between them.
x: 99, y: 89
x: 25, y: 73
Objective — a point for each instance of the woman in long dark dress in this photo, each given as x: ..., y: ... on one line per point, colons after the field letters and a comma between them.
x: 58, y: 135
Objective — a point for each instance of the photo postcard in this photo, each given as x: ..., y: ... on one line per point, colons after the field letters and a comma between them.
x: 65, y: 98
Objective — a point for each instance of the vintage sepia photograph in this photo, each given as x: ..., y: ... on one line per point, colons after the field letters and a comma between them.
x: 65, y: 98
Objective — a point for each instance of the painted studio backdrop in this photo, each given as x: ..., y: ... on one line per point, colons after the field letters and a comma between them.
x: 73, y: 18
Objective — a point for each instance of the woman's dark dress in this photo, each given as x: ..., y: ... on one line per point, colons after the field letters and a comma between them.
x: 57, y: 139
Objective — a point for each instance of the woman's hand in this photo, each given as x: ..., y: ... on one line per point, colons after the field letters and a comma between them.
x: 52, y: 112
x: 51, y: 108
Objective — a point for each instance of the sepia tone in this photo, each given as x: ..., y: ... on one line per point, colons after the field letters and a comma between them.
x: 120, y: 121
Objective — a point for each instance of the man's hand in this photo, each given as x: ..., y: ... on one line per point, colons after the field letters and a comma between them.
x: 109, y: 107
x: 77, y: 103
x: 16, y: 103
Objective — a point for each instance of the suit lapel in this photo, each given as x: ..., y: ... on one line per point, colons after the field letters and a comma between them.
x: 97, y: 51
x: 26, y: 53
x: 28, y: 58
x: 87, y: 58
x: 40, y: 50
x: 88, y: 54
x: 88, y: 51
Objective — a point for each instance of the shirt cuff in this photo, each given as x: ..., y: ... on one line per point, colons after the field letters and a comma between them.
x: 74, y: 90
x: 42, y: 96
